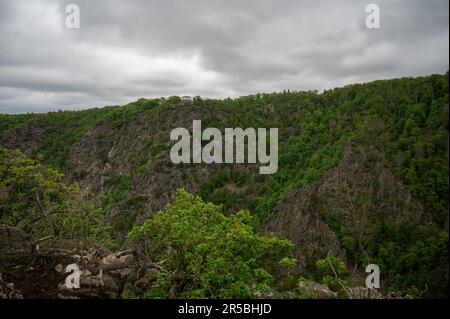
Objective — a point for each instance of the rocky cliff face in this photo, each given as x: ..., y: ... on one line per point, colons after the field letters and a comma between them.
x: 138, y: 152
x: 362, y: 187
x: 355, y: 192
x: 85, y: 158
x: 362, y: 173
x: 131, y: 165
x: 296, y: 219
x: 27, y: 138
x: 359, y: 188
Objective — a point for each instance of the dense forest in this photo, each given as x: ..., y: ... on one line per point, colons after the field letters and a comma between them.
x: 367, y: 163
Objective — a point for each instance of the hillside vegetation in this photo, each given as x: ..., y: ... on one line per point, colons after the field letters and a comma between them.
x: 362, y: 178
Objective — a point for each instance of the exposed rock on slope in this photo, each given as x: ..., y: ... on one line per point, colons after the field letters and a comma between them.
x: 41, y: 273
x: 89, y: 161
x: 296, y: 219
x: 27, y: 138
x: 311, y: 289
x: 362, y: 187
x: 140, y: 152
x: 354, y: 192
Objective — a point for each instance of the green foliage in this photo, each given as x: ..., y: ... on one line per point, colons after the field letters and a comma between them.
x: 413, y: 256
x: 288, y: 262
x: 10, y: 122
x: 332, y: 271
x: 120, y: 186
x: 36, y: 200
x: 344, y: 235
x: 404, y: 121
x: 174, y: 100
x: 103, y: 156
x: 128, y: 210
x: 207, y: 254
x: 146, y: 167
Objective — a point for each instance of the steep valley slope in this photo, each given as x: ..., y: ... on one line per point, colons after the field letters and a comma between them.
x: 363, y: 170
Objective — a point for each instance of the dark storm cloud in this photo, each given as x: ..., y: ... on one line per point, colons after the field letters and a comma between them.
x: 130, y: 49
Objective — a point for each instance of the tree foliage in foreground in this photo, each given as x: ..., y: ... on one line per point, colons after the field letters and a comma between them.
x: 35, y: 200
x: 207, y: 254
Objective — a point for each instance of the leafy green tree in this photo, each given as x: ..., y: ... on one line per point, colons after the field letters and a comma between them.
x: 208, y: 255
x: 34, y: 199
x: 332, y: 271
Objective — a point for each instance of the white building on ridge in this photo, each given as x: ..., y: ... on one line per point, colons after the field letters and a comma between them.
x: 186, y: 99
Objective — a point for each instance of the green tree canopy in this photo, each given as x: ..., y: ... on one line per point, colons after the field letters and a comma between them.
x: 34, y: 198
x: 207, y: 254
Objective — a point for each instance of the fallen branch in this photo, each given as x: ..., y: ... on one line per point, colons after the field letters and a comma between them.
x: 35, y: 244
x: 40, y: 240
x: 125, y: 252
x: 40, y: 205
x: 117, y: 266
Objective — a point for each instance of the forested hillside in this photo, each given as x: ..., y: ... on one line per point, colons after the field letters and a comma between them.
x: 362, y: 178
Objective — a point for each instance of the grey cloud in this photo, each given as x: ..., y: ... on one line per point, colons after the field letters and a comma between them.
x: 129, y: 49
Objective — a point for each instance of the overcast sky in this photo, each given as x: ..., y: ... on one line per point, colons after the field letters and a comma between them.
x: 126, y: 49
